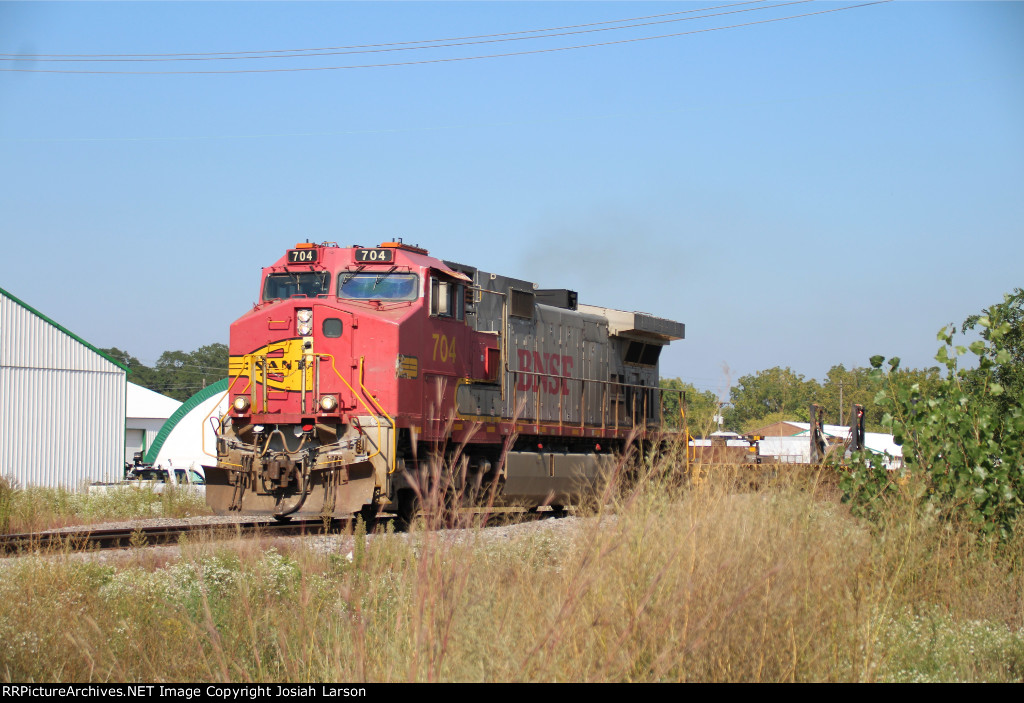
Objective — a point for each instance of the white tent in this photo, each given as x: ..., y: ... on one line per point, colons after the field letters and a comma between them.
x: 146, y: 412
x: 188, y: 438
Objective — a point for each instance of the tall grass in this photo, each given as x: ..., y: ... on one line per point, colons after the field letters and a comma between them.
x: 695, y: 579
x: 34, y: 508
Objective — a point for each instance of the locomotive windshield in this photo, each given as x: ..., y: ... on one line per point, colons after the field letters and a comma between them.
x: 382, y: 285
x: 287, y: 285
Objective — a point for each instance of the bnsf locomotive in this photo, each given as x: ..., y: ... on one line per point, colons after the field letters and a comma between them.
x: 361, y: 368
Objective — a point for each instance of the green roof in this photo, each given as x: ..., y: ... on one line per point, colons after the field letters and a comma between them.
x: 219, y: 387
x: 63, y: 329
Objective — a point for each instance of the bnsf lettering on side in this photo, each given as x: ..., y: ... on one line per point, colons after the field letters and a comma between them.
x: 552, y: 364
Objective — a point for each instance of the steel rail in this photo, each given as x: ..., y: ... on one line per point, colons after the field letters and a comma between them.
x: 89, y: 539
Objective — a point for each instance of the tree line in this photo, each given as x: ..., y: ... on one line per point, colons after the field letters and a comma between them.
x: 176, y: 374
x: 756, y: 400
x: 779, y: 393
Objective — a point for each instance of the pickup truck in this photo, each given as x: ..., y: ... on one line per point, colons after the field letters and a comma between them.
x: 155, y: 479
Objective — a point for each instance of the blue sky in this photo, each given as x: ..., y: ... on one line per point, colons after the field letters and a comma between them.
x: 805, y: 192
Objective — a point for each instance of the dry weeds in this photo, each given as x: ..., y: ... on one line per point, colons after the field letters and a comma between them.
x: 727, y: 578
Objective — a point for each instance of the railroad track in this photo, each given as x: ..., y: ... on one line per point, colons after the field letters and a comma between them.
x: 89, y: 539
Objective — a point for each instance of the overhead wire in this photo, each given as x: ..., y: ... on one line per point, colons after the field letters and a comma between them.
x: 393, y: 48
x: 154, y: 366
x: 171, y: 389
x: 457, y: 58
x: 311, y: 53
x: 255, y: 54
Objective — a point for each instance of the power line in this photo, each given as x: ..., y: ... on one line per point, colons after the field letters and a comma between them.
x: 268, y: 53
x: 155, y: 367
x: 165, y: 390
x: 452, y: 59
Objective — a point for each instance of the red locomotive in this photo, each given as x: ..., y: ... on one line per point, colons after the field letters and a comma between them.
x: 359, y: 366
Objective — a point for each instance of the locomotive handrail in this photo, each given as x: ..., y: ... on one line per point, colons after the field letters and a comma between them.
x: 371, y: 396
x: 596, y: 380
x: 391, y: 420
x: 245, y: 358
x: 605, y: 385
x: 356, y: 396
x: 251, y: 358
x: 202, y: 439
x: 502, y: 347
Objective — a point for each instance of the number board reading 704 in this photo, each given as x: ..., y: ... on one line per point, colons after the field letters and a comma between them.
x: 302, y: 256
x: 375, y: 256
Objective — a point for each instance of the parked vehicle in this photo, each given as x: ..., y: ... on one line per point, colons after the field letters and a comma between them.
x: 156, y: 480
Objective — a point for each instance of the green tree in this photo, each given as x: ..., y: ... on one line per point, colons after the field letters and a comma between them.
x: 770, y: 392
x: 962, y: 434
x: 180, y: 375
x: 138, y: 373
x: 122, y: 356
x: 757, y: 423
x: 177, y: 374
x: 702, y: 406
x: 1007, y: 371
x: 842, y: 388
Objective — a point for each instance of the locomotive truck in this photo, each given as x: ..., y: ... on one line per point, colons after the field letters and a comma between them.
x: 361, y: 368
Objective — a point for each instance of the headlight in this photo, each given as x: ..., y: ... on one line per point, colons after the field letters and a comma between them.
x: 328, y: 403
x: 241, y: 404
x: 304, y: 322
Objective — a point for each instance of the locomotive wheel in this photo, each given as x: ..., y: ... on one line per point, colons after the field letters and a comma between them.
x: 449, y: 516
x: 369, y: 515
x: 408, y: 509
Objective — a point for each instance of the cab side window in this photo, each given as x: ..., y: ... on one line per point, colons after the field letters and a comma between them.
x: 447, y: 299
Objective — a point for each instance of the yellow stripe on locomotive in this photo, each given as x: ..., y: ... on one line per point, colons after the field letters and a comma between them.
x: 282, y: 361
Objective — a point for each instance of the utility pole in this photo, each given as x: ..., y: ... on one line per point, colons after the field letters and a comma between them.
x: 840, y: 401
x: 819, y: 445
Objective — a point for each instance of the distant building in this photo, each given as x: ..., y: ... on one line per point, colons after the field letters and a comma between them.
x: 722, y: 447
x: 779, y: 429
x: 146, y: 412
x: 795, y: 447
x: 62, y: 403
x: 875, y: 442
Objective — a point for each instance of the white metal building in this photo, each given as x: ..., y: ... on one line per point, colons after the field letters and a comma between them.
x: 797, y: 448
x: 146, y: 413
x: 62, y: 402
